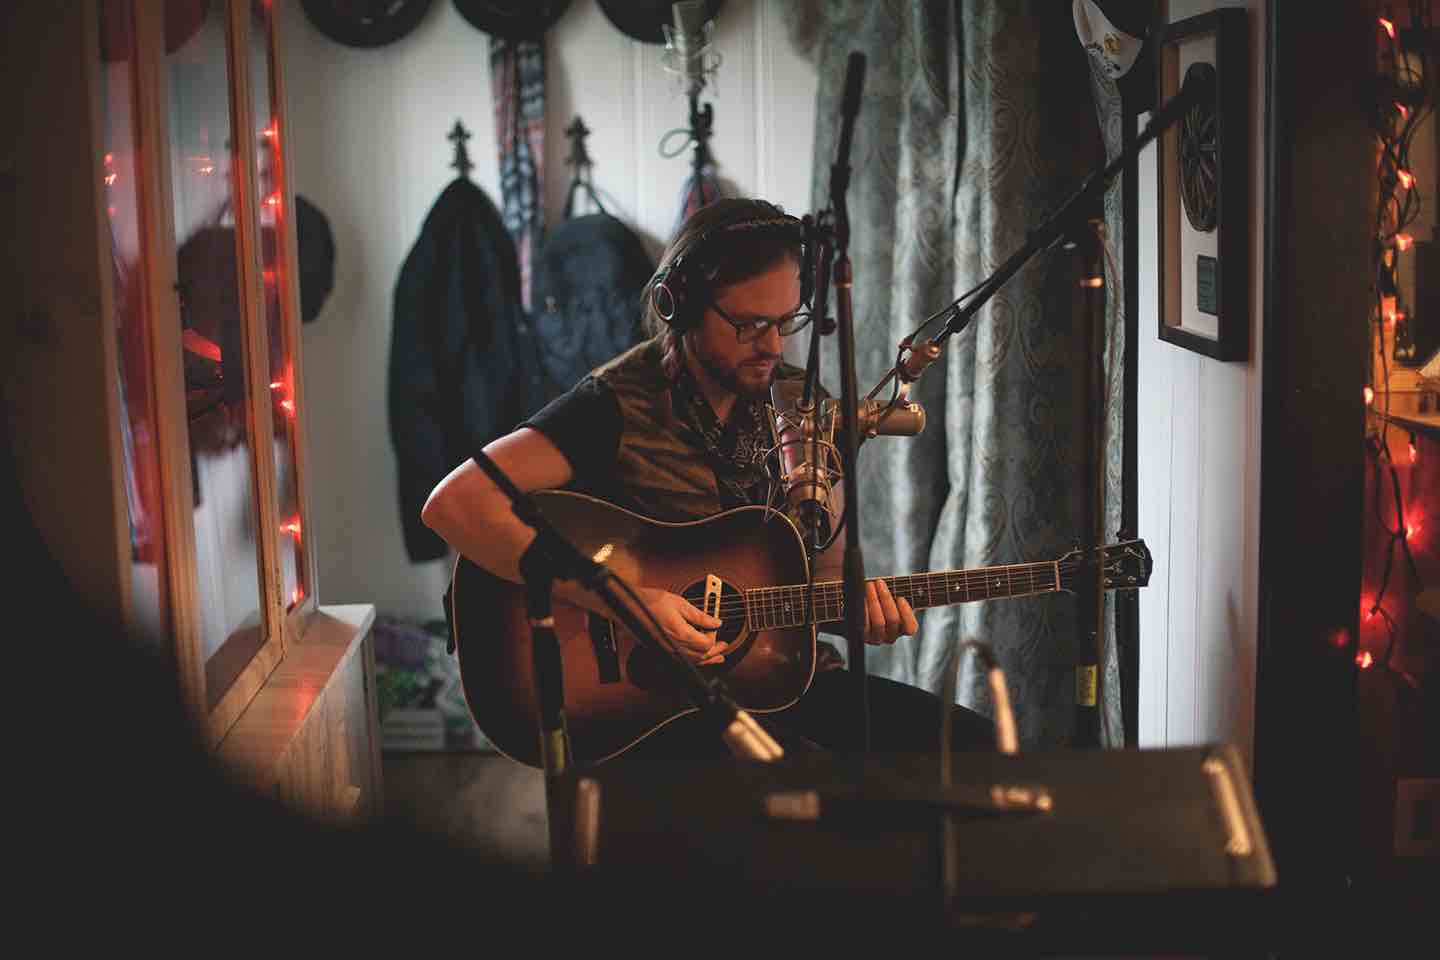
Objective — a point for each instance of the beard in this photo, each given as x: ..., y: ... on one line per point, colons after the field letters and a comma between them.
x: 731, y: 377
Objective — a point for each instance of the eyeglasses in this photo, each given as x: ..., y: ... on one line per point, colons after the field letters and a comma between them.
x: 757, y: 327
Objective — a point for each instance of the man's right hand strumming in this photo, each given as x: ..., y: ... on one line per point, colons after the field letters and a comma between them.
x: 689, y: 628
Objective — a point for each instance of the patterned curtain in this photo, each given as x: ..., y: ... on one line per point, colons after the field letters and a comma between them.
x: 1109, y: 115
x: 976, y: 123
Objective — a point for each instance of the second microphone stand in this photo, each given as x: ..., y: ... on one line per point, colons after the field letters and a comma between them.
x: 830, y: 232
x: 551, y: 557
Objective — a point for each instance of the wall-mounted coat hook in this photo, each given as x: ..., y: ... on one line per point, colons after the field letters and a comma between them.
x: 458, y: 135
x: 581, y: 167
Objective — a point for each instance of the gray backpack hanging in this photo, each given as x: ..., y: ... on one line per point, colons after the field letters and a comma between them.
x: 586, y: 287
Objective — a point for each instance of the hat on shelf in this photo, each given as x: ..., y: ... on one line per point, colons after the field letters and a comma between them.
x: 512, y: 19
x: 643, y: 19
x: 365, y: 24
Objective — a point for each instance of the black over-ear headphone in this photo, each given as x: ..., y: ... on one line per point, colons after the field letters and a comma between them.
x: 670, y: 289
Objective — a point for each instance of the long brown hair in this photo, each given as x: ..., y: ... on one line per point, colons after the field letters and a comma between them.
x: 715, y: 257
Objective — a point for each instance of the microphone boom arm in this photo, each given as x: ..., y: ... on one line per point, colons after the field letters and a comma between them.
x: 963, y: 310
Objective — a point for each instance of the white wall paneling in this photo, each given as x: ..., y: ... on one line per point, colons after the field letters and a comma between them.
x: 1199, y: 486
x: 369, y: 150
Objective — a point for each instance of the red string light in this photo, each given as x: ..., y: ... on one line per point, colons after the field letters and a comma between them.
x: 1409, y: 85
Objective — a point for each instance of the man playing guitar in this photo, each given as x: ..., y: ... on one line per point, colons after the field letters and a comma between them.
x: 676, y: 430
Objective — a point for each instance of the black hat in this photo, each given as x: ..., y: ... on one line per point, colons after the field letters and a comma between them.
x: 365, y: 24
x: 642, y: 19
x: 315, y: 253
x: 512, y: 19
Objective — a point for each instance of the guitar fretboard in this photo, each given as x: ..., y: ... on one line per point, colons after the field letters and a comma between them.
x: 775, y: 608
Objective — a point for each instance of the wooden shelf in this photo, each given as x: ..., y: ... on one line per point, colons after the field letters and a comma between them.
x: 301, y: 737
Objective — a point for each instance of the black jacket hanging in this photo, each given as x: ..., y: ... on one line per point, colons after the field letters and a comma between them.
x: 463, y: 369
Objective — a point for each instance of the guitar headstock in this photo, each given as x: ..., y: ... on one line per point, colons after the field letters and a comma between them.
x: 1124, y: 565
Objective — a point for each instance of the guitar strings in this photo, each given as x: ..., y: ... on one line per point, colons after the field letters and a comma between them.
x: 1034, y: 578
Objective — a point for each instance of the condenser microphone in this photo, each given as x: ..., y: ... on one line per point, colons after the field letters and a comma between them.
x: 690, y: 42
x: 809, y: 463
x: 804, y: 433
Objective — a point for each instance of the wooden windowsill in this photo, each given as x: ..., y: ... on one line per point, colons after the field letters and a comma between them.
x: 255, y: 746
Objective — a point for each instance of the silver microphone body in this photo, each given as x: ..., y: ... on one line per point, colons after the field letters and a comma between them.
x: 809, y: 462
x: 804, y: 438
x: 689, y: 17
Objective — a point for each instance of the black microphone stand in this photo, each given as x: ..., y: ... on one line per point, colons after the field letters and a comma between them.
x: 833, y: 229
x: 551, y: 557
x: 1070, y: 224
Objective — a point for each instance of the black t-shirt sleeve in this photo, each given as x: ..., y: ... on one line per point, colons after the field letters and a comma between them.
x: 584, y: 423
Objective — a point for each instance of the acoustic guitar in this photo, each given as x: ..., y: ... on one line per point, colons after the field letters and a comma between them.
x: 747, y: 566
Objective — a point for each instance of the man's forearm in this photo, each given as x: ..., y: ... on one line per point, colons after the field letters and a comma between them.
x: 496, y: 543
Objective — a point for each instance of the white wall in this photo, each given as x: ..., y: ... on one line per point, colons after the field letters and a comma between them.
x: 1199, y: 486
x: 368, y: 128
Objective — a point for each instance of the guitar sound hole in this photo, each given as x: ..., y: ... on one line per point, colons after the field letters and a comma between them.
x: 647, y: 668
x: 732, y: 627
x: 732, y: 608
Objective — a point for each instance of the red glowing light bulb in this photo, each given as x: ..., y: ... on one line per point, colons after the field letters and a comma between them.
x: 1369, y: 396
x: 1404, y: 110
x: 1414, y: 452
x: 1407, y: 179
x: 1363, y: 659
x: 1403, y: 241
x: 1389, y: 27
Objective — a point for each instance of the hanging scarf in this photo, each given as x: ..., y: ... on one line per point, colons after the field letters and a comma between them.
x: 735, y: 448
x: 518, y: 81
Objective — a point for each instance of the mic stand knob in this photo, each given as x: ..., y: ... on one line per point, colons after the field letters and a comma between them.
x: 750, y: 741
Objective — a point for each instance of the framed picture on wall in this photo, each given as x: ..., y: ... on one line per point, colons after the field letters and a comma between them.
x: 1203, y: 187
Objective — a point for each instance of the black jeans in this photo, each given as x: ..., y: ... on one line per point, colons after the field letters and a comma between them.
x: 903, y: 719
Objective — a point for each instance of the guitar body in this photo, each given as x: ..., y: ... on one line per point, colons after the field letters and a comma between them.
x: 618, y: 689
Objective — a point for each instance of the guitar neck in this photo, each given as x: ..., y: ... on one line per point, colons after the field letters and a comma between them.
x: 774, y: 608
